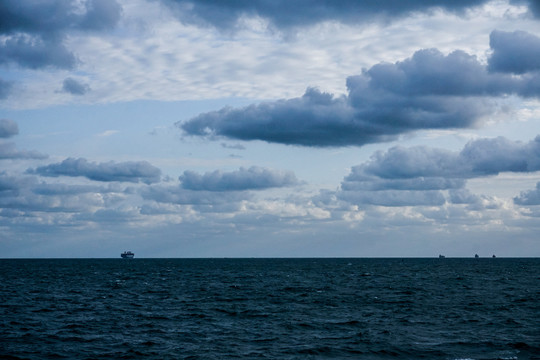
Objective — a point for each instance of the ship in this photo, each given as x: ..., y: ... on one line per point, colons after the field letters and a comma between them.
x: 127, y: 255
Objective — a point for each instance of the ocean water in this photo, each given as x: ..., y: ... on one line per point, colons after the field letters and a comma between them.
x: 270, y: 309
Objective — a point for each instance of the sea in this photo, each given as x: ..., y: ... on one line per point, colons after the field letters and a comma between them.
x: 318, y: 308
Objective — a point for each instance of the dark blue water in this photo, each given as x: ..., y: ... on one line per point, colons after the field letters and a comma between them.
x: 270, y: 308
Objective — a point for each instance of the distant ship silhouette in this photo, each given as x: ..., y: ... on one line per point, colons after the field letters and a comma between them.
x: 127, y: 255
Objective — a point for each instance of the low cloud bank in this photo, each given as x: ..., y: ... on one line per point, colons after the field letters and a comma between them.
x: 418, y: 175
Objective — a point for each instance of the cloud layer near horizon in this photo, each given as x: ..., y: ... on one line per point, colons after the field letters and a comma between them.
x: 430, y: 90
x: 417, y: 175
x: 400, y: 176
x: 418, y: 179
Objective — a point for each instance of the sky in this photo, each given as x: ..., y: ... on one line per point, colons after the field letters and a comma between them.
x: 320, y: 128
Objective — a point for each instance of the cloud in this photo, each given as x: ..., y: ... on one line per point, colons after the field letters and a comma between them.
x: 130, y: 171
x: 481, y: 157
x: 254, y: 178
x: 474, y: 202
x: 534, y: 7
x: 9, y: 151
x: 284, y: 14
x: 36, y: 53
x: 108, y: 133
x: 5, y: 88
x: 202, y: 200
x: 33, y: 204
x: 110, y: 216
x: 529, y: 197
x: 430, y: 90
x: 316, y: 119
x: 100, y: 15
x: 66, y: 189
x: 8, y: 128
x: 7, y: 184
x: 417, y: 175
x: 74, y: 87
x: 395, y: 198
x: 16, y: 196
x: 34, y: 31
x: 50, y: 16
x: 218, y: 192
x: 233, y: 146
x: 516, y: 52
x: 56, y: 209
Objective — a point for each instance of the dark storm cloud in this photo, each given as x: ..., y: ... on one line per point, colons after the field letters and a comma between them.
x: 74, y: 87
x: 529, y: 197
x: 517, y: 52
x: 34, y: 30
x: 130, y: 171
x: 416, y: 175
x: 430, y: 90
x: 8, y: 128
x: 254, y: 178
x: 285, y: 14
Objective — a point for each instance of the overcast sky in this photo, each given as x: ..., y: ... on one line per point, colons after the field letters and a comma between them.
x: 200, y: 128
